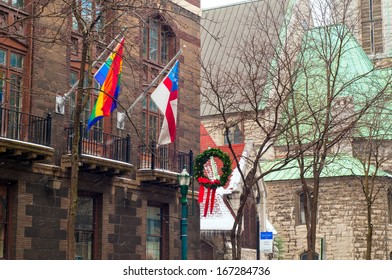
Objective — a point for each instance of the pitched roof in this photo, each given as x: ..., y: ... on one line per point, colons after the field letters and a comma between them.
x: 354, y: 70
x: 230, y: 4
x: 225, y: 30
x: 339, y: 166
x: 353, y: 75
x: 221, y: 218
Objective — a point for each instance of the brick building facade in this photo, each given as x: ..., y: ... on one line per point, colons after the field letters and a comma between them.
x: 128, y: 197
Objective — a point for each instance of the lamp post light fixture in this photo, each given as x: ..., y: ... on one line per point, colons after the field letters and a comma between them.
x: 183, y: 180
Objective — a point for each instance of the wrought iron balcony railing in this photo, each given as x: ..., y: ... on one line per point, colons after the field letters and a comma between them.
x: 25, y: 127
x: 165, y: 158
x: 96, y: 143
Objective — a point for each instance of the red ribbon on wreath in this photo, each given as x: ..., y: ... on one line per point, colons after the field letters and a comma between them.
x: 210, y: 185
x: 205, y: 182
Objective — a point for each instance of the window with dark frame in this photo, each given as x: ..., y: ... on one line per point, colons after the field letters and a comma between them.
x: 157, y: 232
x: 151, y: 120
x: 154, y: 233
x: 158, y: 41
x: 372, y: 26
x: 86, y: 227
x: 301, y: 208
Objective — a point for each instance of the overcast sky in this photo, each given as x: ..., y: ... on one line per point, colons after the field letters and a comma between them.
x: 214, y: 3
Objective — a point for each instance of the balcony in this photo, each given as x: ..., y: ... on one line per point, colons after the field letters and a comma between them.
x: 100, y: 153
x: 25, y: 137
x: 160, y: 165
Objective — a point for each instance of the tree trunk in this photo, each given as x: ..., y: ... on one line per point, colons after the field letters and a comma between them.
x: 73, y: 190
x: 369, y: 234
x: 235, y: 234
x: 310, y: 229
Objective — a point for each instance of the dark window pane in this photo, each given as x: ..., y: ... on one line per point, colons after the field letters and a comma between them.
x: 16, y: 61
x: 17, y: 3
x: 154, y: 231
x: 237, y: 135
x: 3, y: 57
x: 85, y: 217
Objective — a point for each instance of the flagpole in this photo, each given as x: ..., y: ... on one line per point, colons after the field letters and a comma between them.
x: 60, y: 100
x: 153, y: 82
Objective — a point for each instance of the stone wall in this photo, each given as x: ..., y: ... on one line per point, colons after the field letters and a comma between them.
x: 341, y: 219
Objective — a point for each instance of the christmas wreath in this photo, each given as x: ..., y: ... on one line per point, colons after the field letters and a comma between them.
x: 213, y: 181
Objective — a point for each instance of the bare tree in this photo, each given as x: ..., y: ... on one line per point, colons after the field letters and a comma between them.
x: 246, y: 83
x: 334, y: 89
x: 371, y: 139
x: 287, y: 80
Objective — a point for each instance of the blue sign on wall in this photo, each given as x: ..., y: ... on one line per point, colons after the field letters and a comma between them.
x: 266, y: 241
x: 266, y: 235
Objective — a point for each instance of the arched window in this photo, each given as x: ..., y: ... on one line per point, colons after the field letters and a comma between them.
x: 159, y: 47
x: 234, y: 134
x: 158, y: 41
x: 301, y: 207
x: 249, y: 235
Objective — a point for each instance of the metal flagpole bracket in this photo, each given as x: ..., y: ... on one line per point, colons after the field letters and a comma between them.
x: 60, y: 105
x: 120, y: 120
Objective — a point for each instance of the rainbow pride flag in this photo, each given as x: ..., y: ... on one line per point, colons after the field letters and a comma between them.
x: 108, y: 77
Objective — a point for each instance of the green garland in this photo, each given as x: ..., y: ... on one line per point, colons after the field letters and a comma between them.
x: 202, y: 158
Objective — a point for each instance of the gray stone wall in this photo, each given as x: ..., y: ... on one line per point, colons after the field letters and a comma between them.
x: 341, y: 220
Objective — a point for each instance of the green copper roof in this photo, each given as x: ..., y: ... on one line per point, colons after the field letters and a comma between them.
x: 351, y: 70
x: 348, y: 76
x: 340, y: 166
